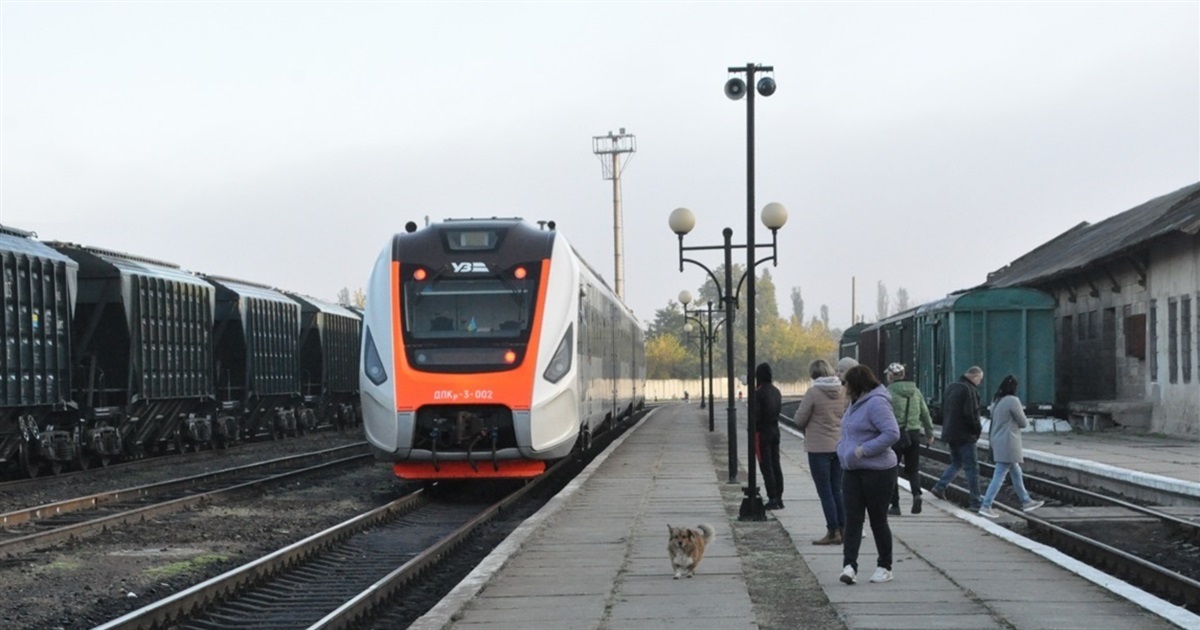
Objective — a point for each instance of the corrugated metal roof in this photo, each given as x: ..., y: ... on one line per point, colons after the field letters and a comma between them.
x: 324, y: 307
x: 1086, y: 244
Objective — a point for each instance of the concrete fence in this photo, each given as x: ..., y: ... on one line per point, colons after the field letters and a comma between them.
x: 673, y: 389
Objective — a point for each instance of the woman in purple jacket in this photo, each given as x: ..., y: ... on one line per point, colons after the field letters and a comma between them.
x: 869, y: 430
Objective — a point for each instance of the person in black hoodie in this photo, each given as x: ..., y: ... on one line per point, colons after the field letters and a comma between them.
x: 767, y: 401
x: 961, y: 427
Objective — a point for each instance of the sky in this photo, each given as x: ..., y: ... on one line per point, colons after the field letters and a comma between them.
x: 918, y: 144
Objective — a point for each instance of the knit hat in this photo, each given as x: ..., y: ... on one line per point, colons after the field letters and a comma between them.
x: 844, y: 364
x: 896, y: 369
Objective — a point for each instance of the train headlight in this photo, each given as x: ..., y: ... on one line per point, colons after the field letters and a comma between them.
x: 372, y: 365
x: 560, y: 364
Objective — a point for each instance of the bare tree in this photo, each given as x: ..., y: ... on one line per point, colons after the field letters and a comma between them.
x: 901, y: 299
x: 343, y: 297
x: 825, y: 316
x: 881, y: 306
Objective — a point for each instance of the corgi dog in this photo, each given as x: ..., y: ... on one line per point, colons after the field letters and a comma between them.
x: 685, y: 546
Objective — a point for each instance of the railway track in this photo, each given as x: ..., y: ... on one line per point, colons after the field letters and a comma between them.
x: 334, y: 578
x: 365, y: 569
x: 1149, y: 547
x: 33, y: 528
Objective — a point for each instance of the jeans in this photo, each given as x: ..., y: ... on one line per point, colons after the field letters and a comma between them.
x: 867, y: 491
x: 963, y: 456
x: 827, y: 477
x: 1013, y: 470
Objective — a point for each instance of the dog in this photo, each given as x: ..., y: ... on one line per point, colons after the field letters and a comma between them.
x: 685, y: 546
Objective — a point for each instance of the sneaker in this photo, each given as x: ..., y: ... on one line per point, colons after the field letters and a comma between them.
x: 938, y: 492
x: 1032, y: 505
x: 988, y: 512
x: 916, y: 508
x: 881, y: 575
x: 894, y: 510
x: 849, y: 575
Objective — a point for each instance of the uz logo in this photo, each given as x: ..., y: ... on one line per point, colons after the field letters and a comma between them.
x: 469, y: 267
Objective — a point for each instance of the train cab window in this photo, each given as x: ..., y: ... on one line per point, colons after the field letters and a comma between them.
x: 460, y: 308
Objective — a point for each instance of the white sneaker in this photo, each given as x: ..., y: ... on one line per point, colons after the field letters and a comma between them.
x: 849, y: 576
x: 988, y: 512
x: 1032, y: 505
x: 881, y: 575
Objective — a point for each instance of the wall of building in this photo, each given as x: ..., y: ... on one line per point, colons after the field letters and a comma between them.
x: 1173, y: 377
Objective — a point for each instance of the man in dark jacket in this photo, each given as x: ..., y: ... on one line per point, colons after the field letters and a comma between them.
x: 767, y: 402
x: 960, y: 430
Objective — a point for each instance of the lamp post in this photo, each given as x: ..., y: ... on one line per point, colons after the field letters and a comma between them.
x: 709, y: 331
x: 735, y: 89
x: 682, y: 220
x: 689, y: 329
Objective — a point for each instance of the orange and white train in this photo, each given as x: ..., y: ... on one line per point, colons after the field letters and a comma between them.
x: 490, y: 348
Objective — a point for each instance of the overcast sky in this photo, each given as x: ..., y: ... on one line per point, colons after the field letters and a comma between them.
x: 918, y: 144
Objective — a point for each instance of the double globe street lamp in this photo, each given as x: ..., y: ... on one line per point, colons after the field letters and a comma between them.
x: 682, y: 221
x: 708, y: 334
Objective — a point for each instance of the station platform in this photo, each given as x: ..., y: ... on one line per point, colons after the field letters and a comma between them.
x: 595, y: 557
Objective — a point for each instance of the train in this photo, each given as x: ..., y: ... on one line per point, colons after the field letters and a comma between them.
x: 1004, y: 331
x: 109, y: 355
x: 490, y: 348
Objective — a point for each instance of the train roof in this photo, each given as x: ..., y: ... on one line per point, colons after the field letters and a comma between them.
x: 990, y: 299
x: 248, y: 289
x: 22, y: 242
x: 1086, y: 244
x: 325, y: 307
x: 128, y: 264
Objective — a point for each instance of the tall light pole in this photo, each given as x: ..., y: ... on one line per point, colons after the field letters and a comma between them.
x: 609, y: 149
x: 682, y: 220
x: 735, y: 89
x: 710, y: 333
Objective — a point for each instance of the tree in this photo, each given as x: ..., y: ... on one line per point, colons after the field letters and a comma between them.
x: 901, y: 299
x: 667, y: 321
x: 825, y: 315
x: 881, y: 305
x: 343, y: 296
x: 360, y: 298
x: 797, y: 306
x: 665, y: 357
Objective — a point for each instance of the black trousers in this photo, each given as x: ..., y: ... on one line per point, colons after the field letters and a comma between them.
x: 772, y: 471
x: 910, y: 465
x: 866, y: 493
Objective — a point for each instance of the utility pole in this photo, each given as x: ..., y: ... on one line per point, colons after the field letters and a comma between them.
x: 610, y: 150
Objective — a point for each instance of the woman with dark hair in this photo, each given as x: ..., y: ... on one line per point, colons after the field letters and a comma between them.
x: 1008, y: 418
x: 869, y: 430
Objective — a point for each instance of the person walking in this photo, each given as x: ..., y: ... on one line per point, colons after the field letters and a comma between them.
x: 844, y: 364
x: 869, y: 430
x: 1008, y: 418
x: 960, y: 430
x: 819, y: 418
x: 767, y: 402
x: 916, y: 427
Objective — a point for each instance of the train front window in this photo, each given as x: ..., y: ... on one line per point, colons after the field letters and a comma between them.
x: 456, y: 307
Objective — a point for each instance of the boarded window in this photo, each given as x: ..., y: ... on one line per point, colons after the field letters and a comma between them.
x: 1135, y: 336
x: 1173, y: 340
x: 1185, y: 341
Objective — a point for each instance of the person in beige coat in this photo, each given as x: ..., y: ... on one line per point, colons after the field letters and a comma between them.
x: 819, y: 418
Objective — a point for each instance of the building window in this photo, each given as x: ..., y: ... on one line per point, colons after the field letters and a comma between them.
x: 1173, y: 340
x: 1153, y: 349
x: 1135, y: 336
x: 1185, y: 340
x: 1093, y: 326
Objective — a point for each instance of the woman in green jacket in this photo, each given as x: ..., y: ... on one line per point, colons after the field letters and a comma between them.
x: 912, y: 413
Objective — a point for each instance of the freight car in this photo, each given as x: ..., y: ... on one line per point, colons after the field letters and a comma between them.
x: 108, y: 355
x: 489, y: 348
x: 1004, y: 331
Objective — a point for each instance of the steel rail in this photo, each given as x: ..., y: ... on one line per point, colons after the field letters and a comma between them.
x: 40, y: 540
x: 379, y: 594
x: 17, y: 517
x: 177, y: 607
